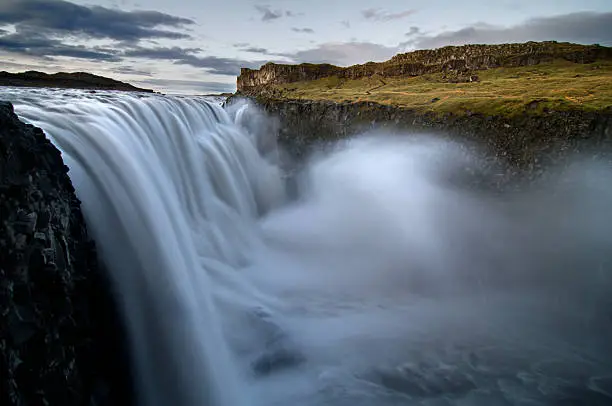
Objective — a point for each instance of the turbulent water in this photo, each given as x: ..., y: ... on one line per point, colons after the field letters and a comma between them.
x: 385, y: 280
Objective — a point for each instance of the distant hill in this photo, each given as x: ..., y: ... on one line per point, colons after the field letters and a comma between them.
x: 75, y: 80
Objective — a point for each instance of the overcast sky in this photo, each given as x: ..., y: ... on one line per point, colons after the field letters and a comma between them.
x: 198, y: 46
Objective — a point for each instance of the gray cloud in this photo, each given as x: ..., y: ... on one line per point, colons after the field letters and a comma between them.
x: 303, y: 30
x: 343, y: 54
x: 47, y: 48
x: 189, y: 86
x: 130, y: 70
x: 377, y: 14
x: 246, y: 47
x: 49, y: 28
x: 30, y: 43
x: 255, y: 50
x: 584, y: 27
x: 267, y: 14
x: 188, y: 56
x: 59, y: 17
x: 413, y: 31
x: 220, y: 66
x: 166, y: 53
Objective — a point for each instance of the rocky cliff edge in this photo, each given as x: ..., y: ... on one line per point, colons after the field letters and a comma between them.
x: 60, y: 339
x: 451, y: 59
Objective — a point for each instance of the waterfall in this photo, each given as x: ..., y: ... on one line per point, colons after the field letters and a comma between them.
x: 386, y: 281
x: 159, y: 178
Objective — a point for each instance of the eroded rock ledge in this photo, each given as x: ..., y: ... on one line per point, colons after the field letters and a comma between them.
x: 60, y: 340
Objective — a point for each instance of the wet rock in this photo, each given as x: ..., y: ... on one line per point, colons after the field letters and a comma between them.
x: 59, y: 336
x: 275, y: 359
x: 279, y: 351
x: 529, y: 141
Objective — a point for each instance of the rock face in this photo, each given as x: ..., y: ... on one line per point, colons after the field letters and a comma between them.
x: 59, y: 337
x: 457, y: 61
x: 76, y: 80
x: 528, y: 142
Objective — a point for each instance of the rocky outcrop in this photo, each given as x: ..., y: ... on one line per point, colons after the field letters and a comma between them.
x: 60, y: 340
x: 76, y: 80
x: 457, y: 61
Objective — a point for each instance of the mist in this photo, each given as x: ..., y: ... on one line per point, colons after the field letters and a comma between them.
x: 400, y: 274
x: 397, y: 269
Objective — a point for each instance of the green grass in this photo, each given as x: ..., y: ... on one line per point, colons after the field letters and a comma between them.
x: 559, y: 86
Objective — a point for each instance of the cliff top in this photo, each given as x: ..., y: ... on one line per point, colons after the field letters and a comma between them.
x: 503, y: 79
x: 73, y: 80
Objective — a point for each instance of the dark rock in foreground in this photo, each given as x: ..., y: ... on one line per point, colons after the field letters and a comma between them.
x: 59, y: 337
x: 76, y: 80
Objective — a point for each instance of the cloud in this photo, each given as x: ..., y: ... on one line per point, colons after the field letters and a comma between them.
x: 189, y: 56
x: 343, y: 54
x: 220, y: 66
x: 20, y: 66
x: 54, y: 28
x: 413, y: 31
x: 34, y: 44
x: 377, y: 14
x: 166, y: 53
x: 47, y: 29
x: 130, y: 70
x: 583, y: 27
x: 256, y: 50
x: 346, y: 23
x: 303, y: 30
x: 59, y: 17
x: 267, y: 14
x: 189, y: 86
x: 246, y: 47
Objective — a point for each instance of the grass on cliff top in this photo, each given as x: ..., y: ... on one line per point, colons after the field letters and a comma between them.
x: 558, y: 86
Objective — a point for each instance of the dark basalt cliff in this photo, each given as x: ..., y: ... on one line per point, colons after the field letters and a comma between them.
x: 526, y: 143
x: 451, y: 59
x: 76, y: 80
x: 60, y: 341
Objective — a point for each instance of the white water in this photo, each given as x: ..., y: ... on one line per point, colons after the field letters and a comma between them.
x: 386, y: 282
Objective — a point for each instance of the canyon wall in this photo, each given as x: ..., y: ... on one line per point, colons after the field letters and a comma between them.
x: 526, y: 144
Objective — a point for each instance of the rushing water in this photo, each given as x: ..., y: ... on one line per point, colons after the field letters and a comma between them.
x: 386, y: 281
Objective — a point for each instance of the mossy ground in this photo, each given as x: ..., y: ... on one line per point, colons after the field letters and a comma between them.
x: 558, y: 86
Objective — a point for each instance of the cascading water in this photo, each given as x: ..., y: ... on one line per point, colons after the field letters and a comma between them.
x: 387, y: 280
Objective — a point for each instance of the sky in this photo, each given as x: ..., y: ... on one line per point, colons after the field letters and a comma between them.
x: 199, y: 46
